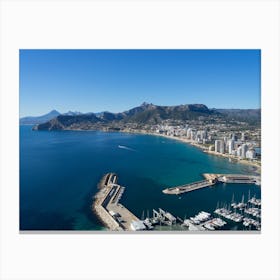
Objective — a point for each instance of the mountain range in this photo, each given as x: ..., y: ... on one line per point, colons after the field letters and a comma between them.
x: 147, y: 114
x: 45, y: 118
x: 40, y: 119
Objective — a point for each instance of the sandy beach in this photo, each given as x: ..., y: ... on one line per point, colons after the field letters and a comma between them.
x: 205, y: 149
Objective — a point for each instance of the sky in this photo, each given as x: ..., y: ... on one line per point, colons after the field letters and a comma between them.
x: 118, y: 80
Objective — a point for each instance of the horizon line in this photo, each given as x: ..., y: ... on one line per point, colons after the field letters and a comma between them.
x: 115, y: 112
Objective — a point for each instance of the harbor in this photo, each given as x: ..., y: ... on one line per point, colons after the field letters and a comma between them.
x: 116, y: 217
x: 211, y: 180
x: 247, y: 216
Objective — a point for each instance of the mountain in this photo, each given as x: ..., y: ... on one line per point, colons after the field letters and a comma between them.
x: 39, y: 119
x: 143, y: 107
x: 152, y: 114
x: 62, y: 122
x: 251, y: 116
x: 71, y: 113
x: 147, y: 114
x: 107, y: 116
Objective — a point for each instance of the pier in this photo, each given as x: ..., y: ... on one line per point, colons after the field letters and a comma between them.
x: 213, y: 179
x: 162, y: 217
x: 106, y: 205
x: 188, y: 187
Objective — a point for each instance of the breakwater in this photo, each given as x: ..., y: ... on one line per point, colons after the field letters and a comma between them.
x: 212, y: 179
x: 106, y: 206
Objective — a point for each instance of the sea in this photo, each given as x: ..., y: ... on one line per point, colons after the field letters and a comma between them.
x: 60, y: 170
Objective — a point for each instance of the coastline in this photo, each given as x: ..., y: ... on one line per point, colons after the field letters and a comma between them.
x: 189, y: 142
x: 204, y: 149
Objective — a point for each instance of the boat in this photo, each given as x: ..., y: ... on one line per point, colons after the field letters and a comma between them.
x: 209, y: 226
x: 148, y: 224
x: 218, y: 222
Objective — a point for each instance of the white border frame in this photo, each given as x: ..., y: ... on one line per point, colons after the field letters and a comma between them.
x: 139, y: 24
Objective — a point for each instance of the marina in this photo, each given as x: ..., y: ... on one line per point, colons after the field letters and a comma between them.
x: 248, y: 222
x: 236, y: 217
x: 115, y: 216
x: 255, y: 212
x: 203, y: 221
x: 255, y: 201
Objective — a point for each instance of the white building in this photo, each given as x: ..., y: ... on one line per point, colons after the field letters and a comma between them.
x: 189, y: 131
x: 251, y: 154
x: 193, y: 135
x: 219, y: 146
x: 239, y: 152
x: 230, y: 146
x: 244, y: 149
x: 233, y: 137
x: 202, y: 133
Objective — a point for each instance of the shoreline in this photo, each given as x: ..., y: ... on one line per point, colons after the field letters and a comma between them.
x: 257, y: 167
x: 204, y: 149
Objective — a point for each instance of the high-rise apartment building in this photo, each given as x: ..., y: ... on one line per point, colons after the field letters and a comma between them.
x: 244, y: 149
x: 251, y: 154
x: 219, y: 146
x: 230, y: 146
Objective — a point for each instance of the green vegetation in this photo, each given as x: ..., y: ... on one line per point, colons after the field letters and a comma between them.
x: 149, y: 114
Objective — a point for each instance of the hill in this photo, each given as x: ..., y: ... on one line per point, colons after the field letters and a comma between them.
x: 39, y: 119
x: 250, y: 116
x: 146, y: 114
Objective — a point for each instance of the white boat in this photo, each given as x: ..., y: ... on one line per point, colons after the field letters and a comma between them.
x: 209, y: 226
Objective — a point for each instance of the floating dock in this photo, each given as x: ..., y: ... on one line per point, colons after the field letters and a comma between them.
x: 212, y: 179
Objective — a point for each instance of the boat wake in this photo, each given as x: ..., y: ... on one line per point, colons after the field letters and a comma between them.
x: 126, y: 148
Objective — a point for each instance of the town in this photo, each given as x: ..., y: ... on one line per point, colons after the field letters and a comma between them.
x: 235, y: 140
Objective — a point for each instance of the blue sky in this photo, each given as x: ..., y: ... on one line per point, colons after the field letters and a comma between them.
x: 117, y: 80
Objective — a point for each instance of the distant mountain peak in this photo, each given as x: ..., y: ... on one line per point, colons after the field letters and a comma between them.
x: 147, y: 105
x: 54, y: 112
x: 39, y: 119
x: 72, y: 113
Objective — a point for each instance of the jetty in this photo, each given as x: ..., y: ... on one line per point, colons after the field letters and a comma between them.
x: 211, y: 180
x: 111, y: 213
x: 188, y: 187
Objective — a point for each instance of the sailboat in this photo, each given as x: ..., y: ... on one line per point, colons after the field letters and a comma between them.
x: 233, y: 204
x: 241, y: 205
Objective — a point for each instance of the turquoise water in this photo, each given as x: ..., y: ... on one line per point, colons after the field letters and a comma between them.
x: 59, y: 171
